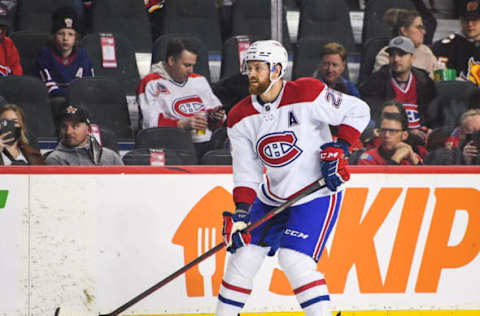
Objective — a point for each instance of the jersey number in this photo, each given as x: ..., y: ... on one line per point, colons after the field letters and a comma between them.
x: 333, y: 97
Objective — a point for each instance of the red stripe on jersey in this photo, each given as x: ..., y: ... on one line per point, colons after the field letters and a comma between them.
x: 242, y: 109
x: 309, y: 286
x: 301, y: 90
x: 146, y: 80
x: 194, y: 75
x: 244, y: 195
x: 348, y: 133
x: 163, y: 121
x: 235, y: 288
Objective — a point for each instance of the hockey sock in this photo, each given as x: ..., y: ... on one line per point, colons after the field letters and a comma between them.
x: 308, y: 284
x: 238, y: 279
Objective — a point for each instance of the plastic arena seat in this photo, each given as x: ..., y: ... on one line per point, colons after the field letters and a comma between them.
x: 105, y: 101
x: 199, y: 18
x: 149, y: 157
x: 166, y: 137
x: 28, y: 44
x: 230, y: 57
x: 36, y: 15
x: 370, y: 50
x: 126, y: 71
x: 307, y: 57
x: 31, y: 95
x: 159, y: 52
x: 108, y: 138
x: 128, y: 18
x: 217, y: 157
x: 327, y: 18
x: 449, y: 104
x: 253, y: 18
x: 373, y: 25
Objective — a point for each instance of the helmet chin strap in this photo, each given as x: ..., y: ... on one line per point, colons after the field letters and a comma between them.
x: 272, y: 82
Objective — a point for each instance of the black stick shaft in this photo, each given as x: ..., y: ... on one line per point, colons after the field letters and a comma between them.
x: 317, y: 185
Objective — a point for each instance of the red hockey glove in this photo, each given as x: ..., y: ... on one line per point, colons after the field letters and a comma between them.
x: 233, y: 224
x: 334, y: 164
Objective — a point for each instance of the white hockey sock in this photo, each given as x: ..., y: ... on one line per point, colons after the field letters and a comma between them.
x: 238, y: 279
x: 308, y: 284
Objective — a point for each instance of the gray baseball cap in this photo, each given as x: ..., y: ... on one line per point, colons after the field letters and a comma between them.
x: 403, y: 43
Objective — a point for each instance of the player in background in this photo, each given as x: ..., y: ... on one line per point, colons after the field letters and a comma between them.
x: 284, y: 126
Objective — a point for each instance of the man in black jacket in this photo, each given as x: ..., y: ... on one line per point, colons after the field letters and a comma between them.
x: 401, y: 81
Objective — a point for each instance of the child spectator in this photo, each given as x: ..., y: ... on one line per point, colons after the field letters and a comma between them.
x: 61, y: 60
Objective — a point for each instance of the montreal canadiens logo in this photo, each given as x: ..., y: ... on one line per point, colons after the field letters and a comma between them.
x: 278, y: 149
x: 188, y: 106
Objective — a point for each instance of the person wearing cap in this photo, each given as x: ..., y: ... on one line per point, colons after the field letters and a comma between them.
x: 461, y: 51
x: 9, y: 58
x: 401, y: 81
x: 61, y: 60
x: 77, y: 147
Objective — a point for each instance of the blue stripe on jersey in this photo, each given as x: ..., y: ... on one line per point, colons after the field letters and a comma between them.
x: 230, y: 302
x: 315, y: 300
x: 268, y: 196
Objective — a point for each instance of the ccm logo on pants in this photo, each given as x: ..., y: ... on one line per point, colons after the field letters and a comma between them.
x: 294, y: 233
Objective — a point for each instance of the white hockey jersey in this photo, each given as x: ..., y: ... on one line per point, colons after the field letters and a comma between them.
x: 285, y: 137
x: 164, y: 101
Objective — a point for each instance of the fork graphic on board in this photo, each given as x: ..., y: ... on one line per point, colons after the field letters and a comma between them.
x: 206, y: 240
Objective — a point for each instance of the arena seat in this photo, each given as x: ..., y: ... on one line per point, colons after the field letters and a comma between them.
x: 166, y: 137
x: 253, y: 18
x: 373, y: 25
x: 28, y: 44
x: 126, y: 71
x: 128, y: 18
x: 327, y: 18
x: 450, y: 103
x: 36, y: 15
x: 143, y: 157
x: 159, y: 52
x: 30, y: 93
x: 217, y: 157
x: 199, y: 18
x: 105, y: 101
x: 370, y: 50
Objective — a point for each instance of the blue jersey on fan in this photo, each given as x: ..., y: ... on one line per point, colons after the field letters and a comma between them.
x: 57, y: 72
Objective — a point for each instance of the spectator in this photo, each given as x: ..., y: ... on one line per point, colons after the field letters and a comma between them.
x: 333, y: 60
x: 392, y: 150
x: 468, y: 151
x: 77, y: 147
x: 172, y: 95
x: 14, y: 145
x: 61, y: 60
x: 401, y: 81
x: 409, y: 23
x: 461, y: 51
x: 9, y: 58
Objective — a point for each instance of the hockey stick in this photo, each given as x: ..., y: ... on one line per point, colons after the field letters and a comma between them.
x: 315, y: 186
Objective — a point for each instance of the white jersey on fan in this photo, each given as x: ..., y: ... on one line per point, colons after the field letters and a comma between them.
x: 164, y: 101
x: 285, y: 136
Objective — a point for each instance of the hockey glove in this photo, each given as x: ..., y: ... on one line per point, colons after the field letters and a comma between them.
x: 334, y: 164
x: 233, y: 224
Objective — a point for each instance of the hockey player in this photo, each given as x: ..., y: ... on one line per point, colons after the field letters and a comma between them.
x: 283, y: 126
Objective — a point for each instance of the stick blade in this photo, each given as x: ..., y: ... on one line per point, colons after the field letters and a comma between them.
x: 65, y: 311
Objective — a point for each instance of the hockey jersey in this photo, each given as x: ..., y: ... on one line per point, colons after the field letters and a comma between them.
x: 163, y: 101
x: 285, y: 137
x: 57, y: 72
x: 9, y: 58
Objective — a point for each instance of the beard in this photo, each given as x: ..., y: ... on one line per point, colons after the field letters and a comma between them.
x: 257, y: 88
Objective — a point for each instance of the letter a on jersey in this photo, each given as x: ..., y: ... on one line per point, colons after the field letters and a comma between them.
x: 292, y: 120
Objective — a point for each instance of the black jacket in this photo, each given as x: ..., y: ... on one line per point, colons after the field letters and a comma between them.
x: 378, y: 89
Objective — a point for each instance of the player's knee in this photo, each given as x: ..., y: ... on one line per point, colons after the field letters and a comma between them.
x: 246, y: 261
x: 294, y: 262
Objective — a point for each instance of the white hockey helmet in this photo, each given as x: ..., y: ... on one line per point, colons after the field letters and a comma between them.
x: 269, y: 51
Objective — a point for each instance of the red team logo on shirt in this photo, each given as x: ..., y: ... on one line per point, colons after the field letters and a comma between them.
x: 188, y: 106
x: 278, y: 149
